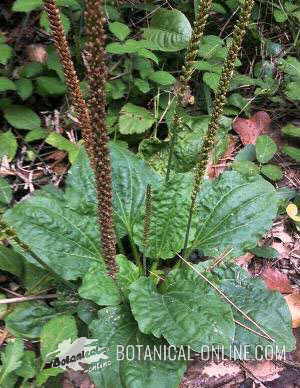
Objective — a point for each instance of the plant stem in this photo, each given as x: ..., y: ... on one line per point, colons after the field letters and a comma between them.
x: 219, y: 102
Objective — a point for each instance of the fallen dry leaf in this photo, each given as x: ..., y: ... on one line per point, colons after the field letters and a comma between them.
x: 250, y: 129
x: 293, y: 301
x: 244, y: 260
x: 214, y: 170
x: 276, y: 280
x: 263, y: 370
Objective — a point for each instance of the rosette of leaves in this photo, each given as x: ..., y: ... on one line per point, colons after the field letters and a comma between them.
x: 183, y: 309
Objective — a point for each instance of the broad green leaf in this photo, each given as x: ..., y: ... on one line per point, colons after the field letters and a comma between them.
x: 5, y: 53
x: 245, y: 167
x: 11, y: 261
x: 265, y: 148
x: 292, y: 90
x: 26, y: 5
x: 36, y: 134
x: 24, y: 88
x: 128, y: 272
x: 291, y: 130
x: 292, y: 152
x: 246, y: 153
x: 55, y: 331
x: 44, y: 375
x: 48, y: 225
x: 169, y: 30
x: 267, y: 308
x: 6, y: 84
x: 134, y: 119
x: 31, y: 69
x: 120, y: 30
x: 21, y: 117
x: 212, y: 80
x: 8, y: 145
x: 272, y: 172
x: 162, y: 78
x: 28, y: 318
x: 280, y: 15
x: 291, y: 66
x: 170, y: 206
x: 176, y: 311
x: 44, y: 22
x: 143, y: 52
x: 116, y: 89
x: 130, y: 178
x: 27, y: 369
x: 142, y: 85
x: 115, y: 330
x: 58, y: 141
x: 99, y: 287
x: 5, y: 192
x: 265, y: 252
x: 52, y: 86
x: 234, y: 212
x: 206, y: 66
x: 11, y: 359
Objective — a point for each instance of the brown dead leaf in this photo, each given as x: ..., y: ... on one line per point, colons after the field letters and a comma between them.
x: 293, y: 301
x: 214, y: 170
x: 244, y: 260
x: 276, y: 280
x: 263, y: 370
x: 250, y: 129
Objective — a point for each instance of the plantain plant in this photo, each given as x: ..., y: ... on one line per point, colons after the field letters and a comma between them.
x: 129, y: 284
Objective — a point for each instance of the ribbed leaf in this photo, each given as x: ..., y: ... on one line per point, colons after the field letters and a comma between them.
x: 66, y: 240
x: 234, y: 212
x: 116, y: 330
x: 169, y: 30
x: 267, y: 308
x: 11, y: 359
x: 170, y: 209
x: 186, y: 310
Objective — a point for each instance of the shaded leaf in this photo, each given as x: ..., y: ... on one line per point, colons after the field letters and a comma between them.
x: 21, y: 117
x: 245, y: 167
x: 272, y: 172
x: 55, y: 331
x: 169, y: 30
x: 6, y: 84
x: 8, y: 145
x: 134, y: 119
x: 116, y: 328
x: 265, y: 148
x: 11, y: 359
x: 292, y: 152
x: 99, y: 287
x: 5, y: 192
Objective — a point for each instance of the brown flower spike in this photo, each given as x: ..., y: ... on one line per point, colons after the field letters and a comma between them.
x: 97, y: 75
x: 71, y: 78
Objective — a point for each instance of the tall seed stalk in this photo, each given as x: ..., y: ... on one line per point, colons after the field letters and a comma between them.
x: 218, y: 106
x: 71, y: 78
x: 186, y: 73
x: 92, y: 119
x: 97, y: 76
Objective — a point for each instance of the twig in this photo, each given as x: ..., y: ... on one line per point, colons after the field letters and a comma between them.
x: 26, y: 298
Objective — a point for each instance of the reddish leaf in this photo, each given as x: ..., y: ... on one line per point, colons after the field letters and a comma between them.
x: 293, y: 301
x: 250, y: 129
x: 276, y: 280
